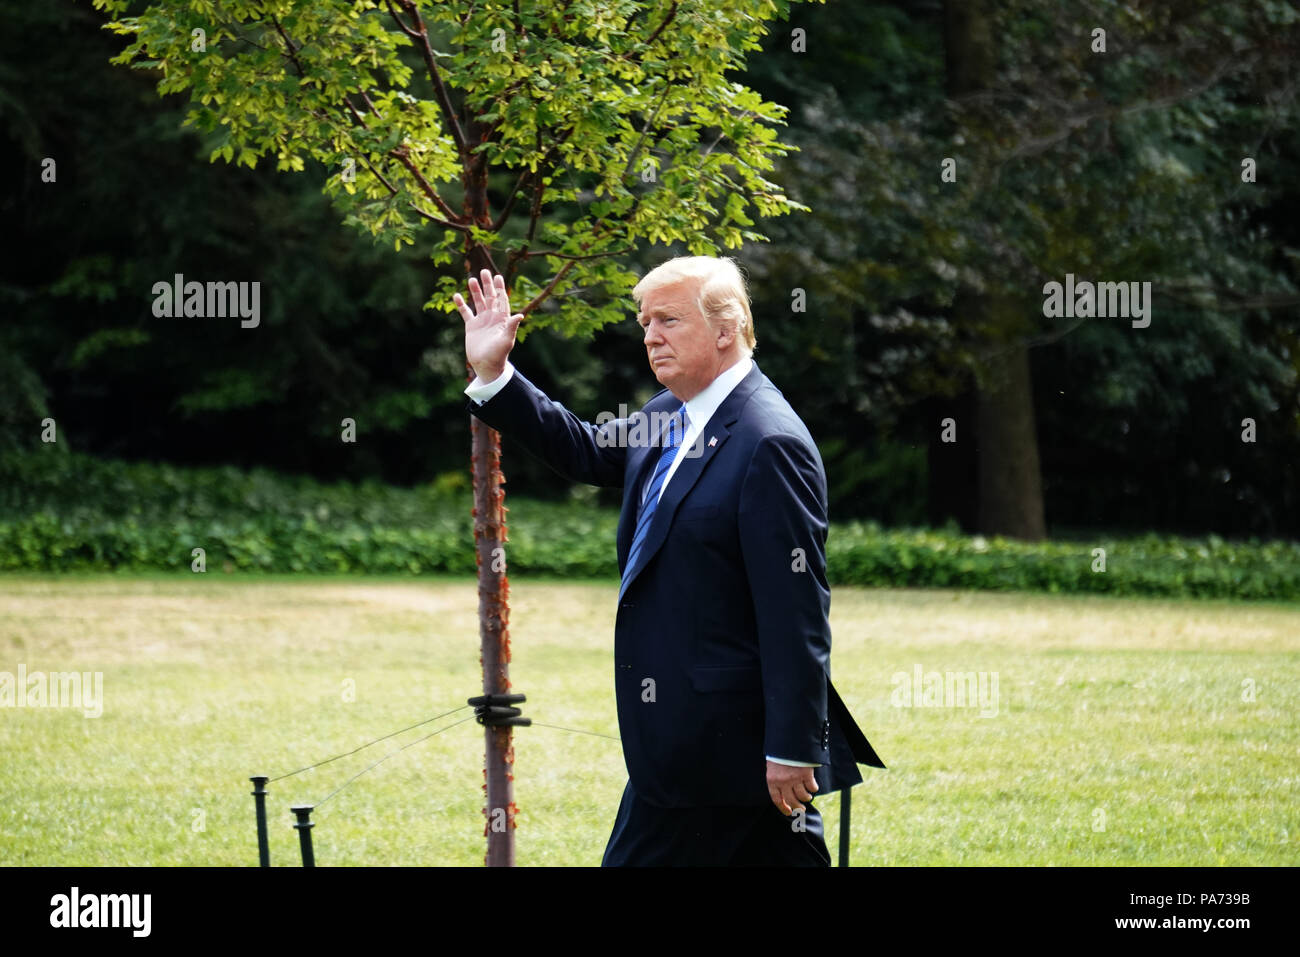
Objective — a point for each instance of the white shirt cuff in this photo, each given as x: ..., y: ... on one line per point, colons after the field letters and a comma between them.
x: 481, y: 391
x: 793, y: 764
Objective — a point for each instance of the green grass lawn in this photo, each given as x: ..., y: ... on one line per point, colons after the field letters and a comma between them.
x: 1121, y: 736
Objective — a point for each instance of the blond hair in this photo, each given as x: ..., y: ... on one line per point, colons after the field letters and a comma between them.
x: 720, y: 291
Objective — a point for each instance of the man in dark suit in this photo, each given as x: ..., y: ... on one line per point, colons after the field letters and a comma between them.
x: 728, y: 718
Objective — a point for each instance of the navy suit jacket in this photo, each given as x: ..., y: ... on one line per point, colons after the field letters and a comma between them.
x: 722, y: 641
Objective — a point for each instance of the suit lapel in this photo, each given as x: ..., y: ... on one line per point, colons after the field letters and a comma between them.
x: 683, y: 480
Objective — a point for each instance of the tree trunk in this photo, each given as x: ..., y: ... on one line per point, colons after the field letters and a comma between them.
x: 1010, y: 480
x: 952, y: 467
x: 970, y: 57
x: 490, y: 554
x: 494, y: 636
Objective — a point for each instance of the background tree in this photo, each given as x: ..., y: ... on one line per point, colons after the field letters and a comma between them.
x: 1122, y: 164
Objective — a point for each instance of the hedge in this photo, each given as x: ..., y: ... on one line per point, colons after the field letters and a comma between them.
x: 69, y: 512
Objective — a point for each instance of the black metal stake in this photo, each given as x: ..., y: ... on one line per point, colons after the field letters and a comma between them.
x: 303, y: 826
x: 846, y: 822
x: 259, y: 801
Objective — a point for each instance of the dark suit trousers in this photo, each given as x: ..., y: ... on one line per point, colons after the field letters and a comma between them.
x: 648, y: 836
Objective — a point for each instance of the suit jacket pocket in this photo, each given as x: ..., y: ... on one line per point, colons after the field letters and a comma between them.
x: 727, y: 678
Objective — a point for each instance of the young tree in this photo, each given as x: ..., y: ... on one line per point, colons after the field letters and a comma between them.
x: 540, y: 140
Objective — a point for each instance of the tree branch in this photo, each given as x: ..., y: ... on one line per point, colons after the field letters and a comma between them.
x: 403, y: 155
x: 398, y: 20
x: 535, y: 209
x: 421, y: 212
x: 459, y: 227
x: 564, y: 271
x: 420, y: 33
x: 293, y: 50
x: 1006, y: 347
x: 1039, y: 144
x: 559, y: 255
x: 541, y: 296
x: 534, y: 214
x: 672, y: 12
x: 631, y: 157
x: 510, y: 200
x: 1226, y: 299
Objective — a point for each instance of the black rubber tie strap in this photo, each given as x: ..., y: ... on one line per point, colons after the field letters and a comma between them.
x: 498, y: 711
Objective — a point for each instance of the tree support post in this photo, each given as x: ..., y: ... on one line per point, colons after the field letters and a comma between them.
x: 259, y: 804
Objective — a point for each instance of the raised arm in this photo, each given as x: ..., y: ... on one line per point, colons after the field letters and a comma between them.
x: 580, y: 451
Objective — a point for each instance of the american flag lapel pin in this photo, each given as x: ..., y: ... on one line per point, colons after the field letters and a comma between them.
x: 713, y: 440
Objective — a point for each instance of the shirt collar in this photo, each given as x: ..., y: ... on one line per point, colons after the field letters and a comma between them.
x: 701, y: 408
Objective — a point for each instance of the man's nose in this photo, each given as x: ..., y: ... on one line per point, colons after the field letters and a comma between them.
x: 652, y: 333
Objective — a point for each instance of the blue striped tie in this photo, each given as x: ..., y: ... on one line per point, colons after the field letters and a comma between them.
x: 672, y: 441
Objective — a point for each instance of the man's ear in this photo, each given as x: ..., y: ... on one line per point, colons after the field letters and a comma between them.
x: 726, y: 336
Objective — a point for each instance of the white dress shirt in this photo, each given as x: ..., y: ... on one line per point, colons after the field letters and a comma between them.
x: 699, y: 411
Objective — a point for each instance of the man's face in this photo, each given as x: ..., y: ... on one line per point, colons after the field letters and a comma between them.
x: 685, y: 352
